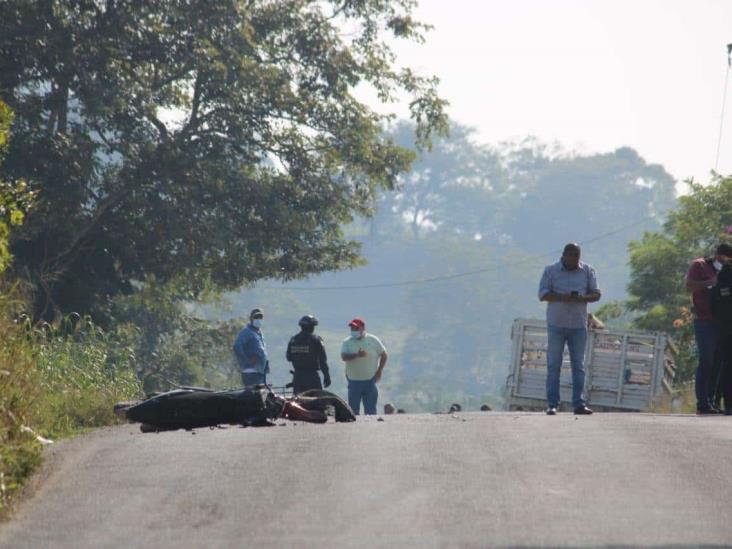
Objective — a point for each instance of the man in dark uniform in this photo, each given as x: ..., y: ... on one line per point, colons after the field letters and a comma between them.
x: 720, y: 299
x: 307, y: 354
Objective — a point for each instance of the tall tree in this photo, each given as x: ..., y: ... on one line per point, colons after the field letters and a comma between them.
x: 456, y: 170
x: 659, y: 261
x: 15, y: 197
x: 214, y: 141
x: 586, y: 195
x: 499, y: 212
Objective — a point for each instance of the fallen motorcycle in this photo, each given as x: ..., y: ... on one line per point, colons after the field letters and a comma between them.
x: 194, y: 407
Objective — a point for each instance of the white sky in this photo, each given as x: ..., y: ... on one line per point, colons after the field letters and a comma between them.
x: 593, y: 74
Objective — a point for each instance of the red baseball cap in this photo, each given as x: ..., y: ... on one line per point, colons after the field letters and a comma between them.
x: 357, y: 323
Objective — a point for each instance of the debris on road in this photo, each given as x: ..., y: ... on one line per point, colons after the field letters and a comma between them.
x: 40, y: 439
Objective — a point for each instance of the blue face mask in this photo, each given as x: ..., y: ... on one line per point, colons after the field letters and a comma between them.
x: 356, y: 333
x: 257, y: 322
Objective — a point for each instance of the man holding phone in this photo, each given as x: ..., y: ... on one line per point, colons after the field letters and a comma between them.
x: 567, y: 286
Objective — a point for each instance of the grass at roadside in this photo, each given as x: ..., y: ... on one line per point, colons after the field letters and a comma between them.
x: 682, y: 401
x: 54, y: 381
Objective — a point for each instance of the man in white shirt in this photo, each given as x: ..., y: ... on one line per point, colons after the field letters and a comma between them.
x: 365, y: 357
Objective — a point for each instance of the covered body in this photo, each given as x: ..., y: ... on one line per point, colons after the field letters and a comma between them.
x: 191, y: 408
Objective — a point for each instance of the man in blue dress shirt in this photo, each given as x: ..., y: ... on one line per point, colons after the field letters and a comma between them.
x: 567, y: 286
x: 251, y: 352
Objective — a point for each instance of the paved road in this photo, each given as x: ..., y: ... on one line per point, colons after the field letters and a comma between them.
x: 475, y: 480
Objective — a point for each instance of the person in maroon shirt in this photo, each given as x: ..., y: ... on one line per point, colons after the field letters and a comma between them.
x: 700, y: 279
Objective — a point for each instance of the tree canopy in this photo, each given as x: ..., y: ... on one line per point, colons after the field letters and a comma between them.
x: 215, y: 142
x: 659, y: 261
x: 15, y: 197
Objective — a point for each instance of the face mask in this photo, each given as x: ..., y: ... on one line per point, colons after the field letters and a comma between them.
x: 257, y: 322
x: 356, y: 333
x: 717, y: 265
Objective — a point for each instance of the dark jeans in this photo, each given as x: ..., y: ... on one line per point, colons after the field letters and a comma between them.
x: 304, y: 380
x: 715, y: 387
x: 707, y: 338
x: 249, y: 379
x: 725, y: 358
x: 363, y: 389
x: 576, y: 340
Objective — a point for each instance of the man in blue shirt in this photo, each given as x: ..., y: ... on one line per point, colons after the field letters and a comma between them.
x: 567, y: 286
x: 251, y: 352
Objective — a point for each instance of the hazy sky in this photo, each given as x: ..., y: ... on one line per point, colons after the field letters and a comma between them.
x: 592, y: 74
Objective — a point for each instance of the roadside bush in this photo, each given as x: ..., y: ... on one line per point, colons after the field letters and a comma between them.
x: 54, y: 381
x: 84, y: 371
x: 19, y: 389
x: 172, y: 345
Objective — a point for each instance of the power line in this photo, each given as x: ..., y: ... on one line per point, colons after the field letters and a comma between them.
x: 452, y: 276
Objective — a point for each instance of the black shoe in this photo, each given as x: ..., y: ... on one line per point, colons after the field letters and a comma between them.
x: 708, y: 412
x: 582, y: 411
x: 551, y: 411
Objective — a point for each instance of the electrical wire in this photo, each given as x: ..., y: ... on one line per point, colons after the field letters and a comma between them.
x: 441, y: 278
x: 533, y: 258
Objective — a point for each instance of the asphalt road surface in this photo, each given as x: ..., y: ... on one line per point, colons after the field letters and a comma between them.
x: 464, y: 480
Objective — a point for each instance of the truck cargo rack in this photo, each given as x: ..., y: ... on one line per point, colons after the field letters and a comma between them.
x: 626, y: 370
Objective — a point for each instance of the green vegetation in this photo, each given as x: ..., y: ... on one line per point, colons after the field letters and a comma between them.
x: 164, y: 153
x: 172, y: 346
x: 211, y: 143
x: 175, y: 150
x: 19, y: 453
x: 15, y: 197
x: 83, y: 372
x: 54, y: 380
x: 500, y: 212
x: 658, y: 296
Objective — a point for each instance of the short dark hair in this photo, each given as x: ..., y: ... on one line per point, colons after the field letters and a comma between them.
x: 724, y: 249
x: 571, y: 247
